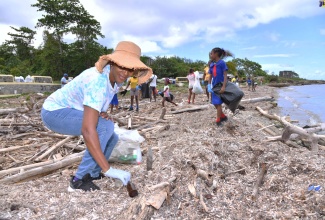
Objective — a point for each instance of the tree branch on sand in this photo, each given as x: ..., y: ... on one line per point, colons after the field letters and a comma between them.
x: 293, y: 129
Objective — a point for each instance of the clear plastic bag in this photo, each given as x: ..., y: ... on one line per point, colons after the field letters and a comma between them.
x: 197, y: 89
x: 127, y: 149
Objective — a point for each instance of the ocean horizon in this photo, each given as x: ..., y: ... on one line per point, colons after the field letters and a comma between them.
x: 305, y: 103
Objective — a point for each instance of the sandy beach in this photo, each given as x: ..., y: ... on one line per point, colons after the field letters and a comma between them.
x: 208, y: 172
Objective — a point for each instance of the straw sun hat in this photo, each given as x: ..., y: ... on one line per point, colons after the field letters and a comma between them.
x: 126, y: 55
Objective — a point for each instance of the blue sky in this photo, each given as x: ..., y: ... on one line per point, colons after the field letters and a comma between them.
x: 279, y: 35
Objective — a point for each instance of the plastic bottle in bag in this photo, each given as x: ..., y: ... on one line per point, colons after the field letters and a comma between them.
x: 133, y: 157
x: 129, y: 157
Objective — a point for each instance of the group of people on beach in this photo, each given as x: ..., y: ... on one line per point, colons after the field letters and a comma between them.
x: 81, y: 106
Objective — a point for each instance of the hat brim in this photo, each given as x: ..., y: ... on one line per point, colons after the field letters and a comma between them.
x: 125, y: 60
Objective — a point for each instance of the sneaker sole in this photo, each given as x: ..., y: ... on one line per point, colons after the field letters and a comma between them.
x: 70, y: 189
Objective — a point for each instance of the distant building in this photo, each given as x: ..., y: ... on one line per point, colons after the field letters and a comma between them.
x: 288, y: 74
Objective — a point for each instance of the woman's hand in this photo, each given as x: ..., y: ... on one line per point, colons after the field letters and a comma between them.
x: 122, y: 175
x: 106, y: 116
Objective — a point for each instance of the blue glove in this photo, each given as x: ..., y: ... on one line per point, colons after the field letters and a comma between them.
x: 118, y: 174
x: 138, y: 87
x: 210, y: 88
x: 202, y: 82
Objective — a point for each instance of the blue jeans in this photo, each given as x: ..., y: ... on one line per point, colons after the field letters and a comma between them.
x: 69, y: 121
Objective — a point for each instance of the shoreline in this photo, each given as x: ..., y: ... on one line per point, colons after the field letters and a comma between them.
x: 301, y: 104
x: 231, y: 155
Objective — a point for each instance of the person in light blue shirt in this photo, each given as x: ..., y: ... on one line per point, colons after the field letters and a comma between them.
x: 80, y: 108
x: 64, y: 80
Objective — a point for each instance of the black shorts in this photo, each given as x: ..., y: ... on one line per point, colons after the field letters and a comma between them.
x: 205, y: 83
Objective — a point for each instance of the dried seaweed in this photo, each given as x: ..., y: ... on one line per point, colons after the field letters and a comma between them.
x: 205, y: 171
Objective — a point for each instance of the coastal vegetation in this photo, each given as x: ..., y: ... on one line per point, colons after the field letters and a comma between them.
x: 55, y: 56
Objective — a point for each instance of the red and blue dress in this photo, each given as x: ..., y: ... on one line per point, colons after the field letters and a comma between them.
x: 217, y: 69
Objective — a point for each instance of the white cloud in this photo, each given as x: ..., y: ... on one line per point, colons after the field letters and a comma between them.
x: 249, y: 48
x: 175, y: 23
x: 274, y: 55
x: 167, y: 27
x: 322, y: 31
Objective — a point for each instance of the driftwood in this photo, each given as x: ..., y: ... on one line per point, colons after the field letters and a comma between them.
x: 291, y: 129
x: 275, y: 137
x: 259, y: 99
x: 30, y: 166
x: 74, y: 147
x: 259, y: 181
x: 20, y: 147
x: 202, y: 107
x: 157, y: 200
x: 119, y: 121
x: 192, y: 190
x: 158, y: 127
x: 145, y: 118
x: 149, y: 158
x: 202, y: 202
x: 162, y: 184
x: 138, y: 209
x: 44, y: 169
x: 51, y: 134
x: 129, y: 123
x: 215, y: 154
x: 13, y: 110
x: 267, y: 129
x: 149, y: 125
x: 51, y: 149
x: 163, y: 112
x: 222, y: 176
x: 143, y: 208
x: 6, y: 121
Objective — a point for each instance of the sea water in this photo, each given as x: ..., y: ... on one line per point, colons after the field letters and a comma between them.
x: 306, y: 104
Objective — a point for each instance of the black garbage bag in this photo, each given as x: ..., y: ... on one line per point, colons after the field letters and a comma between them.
x: 123, y: 92
x: 161, y: 93
x: 231, y: 96
x: 145, y: 90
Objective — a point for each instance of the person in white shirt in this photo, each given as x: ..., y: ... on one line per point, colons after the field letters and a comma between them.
x: 191, y: 80
x: 153, y: 84
x: 64, y: 80
x: 80, y: 108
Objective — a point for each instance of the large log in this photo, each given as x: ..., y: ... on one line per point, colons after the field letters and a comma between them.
x: 190, y: 109
x: 259, y: 99
x: 293, y: 129
x: 30, y: 166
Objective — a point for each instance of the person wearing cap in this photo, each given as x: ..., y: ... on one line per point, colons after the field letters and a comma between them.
x: 80, y: 108
x: 64, y: 80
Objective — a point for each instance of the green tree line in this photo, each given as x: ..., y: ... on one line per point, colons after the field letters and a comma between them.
x: 54, y: 57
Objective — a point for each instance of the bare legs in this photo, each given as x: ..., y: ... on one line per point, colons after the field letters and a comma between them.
x: 190, y: 93
x: 168, y: 99
x: 152, y: 92
x: 206, y: 91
